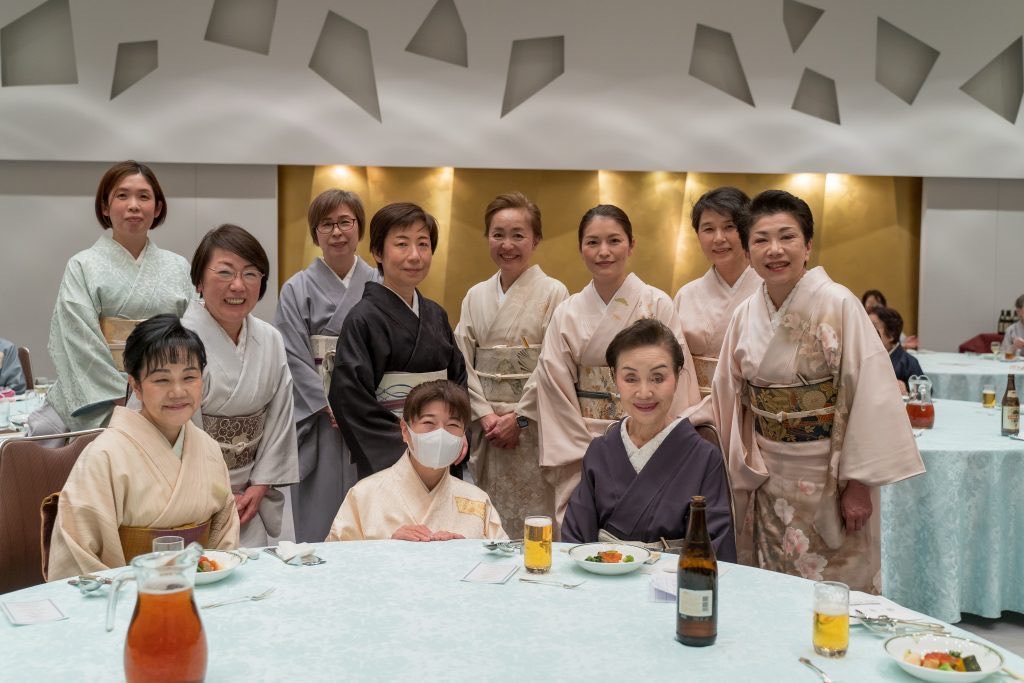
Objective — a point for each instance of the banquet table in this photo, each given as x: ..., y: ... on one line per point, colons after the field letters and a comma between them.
x: 953, y: 538
x: 394, y: 610
x: 961, y: 376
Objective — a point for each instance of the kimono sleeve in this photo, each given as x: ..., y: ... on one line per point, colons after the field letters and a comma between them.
x: 580, y: 524
x: 277, y: 457
x: 465, y: 337
x: 456, y: 362
x: 347, y: 525
x: 715, y: 489
x: 292, y: 321
x: 563, y: 433
x: 688, y: 391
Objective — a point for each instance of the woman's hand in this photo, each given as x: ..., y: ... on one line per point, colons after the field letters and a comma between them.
x: 910, y: 342
x: 441, y: 535
x: 1018, y: 343
x: 412, y: 532
x: 855, y: 503
x: 505, y: 432
x: 488, y: 422
x: 248, y: 501
x: 330, y: 415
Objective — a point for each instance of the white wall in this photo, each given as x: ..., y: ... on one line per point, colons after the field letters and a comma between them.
x: 47, y: 215
x: 972, y: 242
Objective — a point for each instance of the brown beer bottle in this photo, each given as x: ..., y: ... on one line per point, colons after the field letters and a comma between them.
x: 697, y: 599
x: 1011, y: 408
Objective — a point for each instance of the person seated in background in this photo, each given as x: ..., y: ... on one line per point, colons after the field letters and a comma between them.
x: 11, y: 375
x: 151, y: 472
x: 638, y: 478
x: 889, y: 324
x: 871, y: 300
x: 1013, y: 338
x: 417, y: 498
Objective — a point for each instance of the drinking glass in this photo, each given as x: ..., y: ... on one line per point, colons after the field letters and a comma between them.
x: 994, y: 346
x: 162, y: 544
x: 831, y: 618
x: 537, y: 544
x: 41, y: 386
x: 988, y: 396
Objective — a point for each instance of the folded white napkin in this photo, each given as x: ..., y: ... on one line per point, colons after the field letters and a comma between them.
x: 288, y: 551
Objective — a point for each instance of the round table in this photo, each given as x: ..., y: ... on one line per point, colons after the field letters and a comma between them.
x: 953, y: 538
x: 393, y: 610
x: 962, y: 376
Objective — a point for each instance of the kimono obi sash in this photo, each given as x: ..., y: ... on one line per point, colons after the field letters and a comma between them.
x: 597, y: 393
x: 324, y: 347
x: 395, y: 386
x: 794, y: 413
x: 704, y: 366
x: 504, y: 370
x: 116, y: 331
x: 138, y: 540
x: 238, y: 437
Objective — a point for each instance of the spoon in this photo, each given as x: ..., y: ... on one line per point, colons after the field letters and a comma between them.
x: 87, y: 583
x: 825, y: 678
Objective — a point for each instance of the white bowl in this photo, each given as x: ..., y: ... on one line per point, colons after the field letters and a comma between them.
x: 989, y: 660
x: 228, y: 560
x: 580, y: 553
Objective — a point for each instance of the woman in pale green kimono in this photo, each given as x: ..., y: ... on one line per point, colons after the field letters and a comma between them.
x: 107, y: 289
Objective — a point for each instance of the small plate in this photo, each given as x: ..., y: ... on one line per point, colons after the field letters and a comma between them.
x: 580, y: 553
x: 228, y: 560
x: 989, y: 660
x: 506, y: 547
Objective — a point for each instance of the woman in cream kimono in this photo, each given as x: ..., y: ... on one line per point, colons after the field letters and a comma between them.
x: 500, y: 333
x: 575, y: 392
x: 310, y: 311
x: 705, y: 305
x: 121, y: 279
x: 247, y: 387
x: 810, y: 416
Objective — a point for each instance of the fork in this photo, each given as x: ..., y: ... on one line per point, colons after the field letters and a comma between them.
x: 560, y: 584
x: 825, y: 678
x: 305, y: 560
x: 245, y: 598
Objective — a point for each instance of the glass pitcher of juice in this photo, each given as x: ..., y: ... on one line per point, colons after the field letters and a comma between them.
x: 165, y: 640
x: 920, y: 408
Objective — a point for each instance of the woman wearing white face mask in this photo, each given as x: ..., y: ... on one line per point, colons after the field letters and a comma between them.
x: 417, y: 499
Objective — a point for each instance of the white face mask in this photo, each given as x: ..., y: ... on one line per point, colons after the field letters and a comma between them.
x: 435, y: 449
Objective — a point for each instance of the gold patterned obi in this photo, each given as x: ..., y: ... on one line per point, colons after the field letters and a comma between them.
x: 597, y: 393
x: 116, y: 331
x: 704, y: 366
x: 504, y: 370
x: 138, y: 540
x: 324, y: 347
x: 238, y: 437
x: 395, y: 386
x: 794, y: 413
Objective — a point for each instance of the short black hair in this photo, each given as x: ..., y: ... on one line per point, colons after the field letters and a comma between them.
x: 891, y: 320
x: 873, y: 293
x: 607, y: 211
x: 451, y: 394
x: 398, y: 215
x: 645, y: 332
x: 728, y: 201
x: 238, y: 241
x: 771, y: 202
x: 160, y: 341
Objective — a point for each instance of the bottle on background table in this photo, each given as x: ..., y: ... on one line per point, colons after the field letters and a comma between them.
x: 697, y: 582
x: 1011, y: 408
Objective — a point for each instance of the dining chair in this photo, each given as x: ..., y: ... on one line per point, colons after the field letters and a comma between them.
x: 709, y: 433
x: 26, y: 367
x: 29, y: 473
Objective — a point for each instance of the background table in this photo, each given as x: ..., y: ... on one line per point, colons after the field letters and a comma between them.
x: 961, y: 376
x: 392, y: 610
x: 953, y: 538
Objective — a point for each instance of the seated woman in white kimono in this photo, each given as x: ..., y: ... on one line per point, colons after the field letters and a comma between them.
x: 500, y: 333
x: 705, y: 305
x: 106, y: 290
x: 151, y: 473
x: 247, y: 387
x: 810, y: 415
x: 639, y: 477
x: 311, y: 308
x: 417, y: 498
x: 575, y: 391
x: 391, y: 341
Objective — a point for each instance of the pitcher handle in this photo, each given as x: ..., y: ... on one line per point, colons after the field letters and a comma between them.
x: 112, y: 600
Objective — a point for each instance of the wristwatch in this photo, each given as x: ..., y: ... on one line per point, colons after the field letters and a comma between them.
x: 522, y: 422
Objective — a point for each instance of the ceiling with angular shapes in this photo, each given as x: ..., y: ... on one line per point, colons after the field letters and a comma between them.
x: 902, y: 62
x: 442, y: 36
x: 134, y: 62
x: 245, y: 24
x: 38, y: 48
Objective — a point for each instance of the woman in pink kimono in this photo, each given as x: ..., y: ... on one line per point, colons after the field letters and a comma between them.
x: 576, y: 394
x: 810, y: 417
x: 705, y: 305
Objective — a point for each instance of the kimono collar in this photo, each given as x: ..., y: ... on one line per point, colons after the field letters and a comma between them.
x: 114, y: 244
x: 639, y: 455
x: 776, y: 315
x: 736, y: 285
x: 501, y: 293
x: 415, y: 308
x: 348, y: 276
x: 893, y: 349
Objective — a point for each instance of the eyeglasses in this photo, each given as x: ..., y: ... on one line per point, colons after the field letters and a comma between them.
x: 249, y: 277
x: 327, y: 227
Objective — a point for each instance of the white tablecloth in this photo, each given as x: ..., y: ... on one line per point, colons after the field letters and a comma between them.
x: 962, y: 376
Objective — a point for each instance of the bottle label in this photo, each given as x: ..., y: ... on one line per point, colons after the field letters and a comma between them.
x: 696, y: 603
x: 1011, y: 418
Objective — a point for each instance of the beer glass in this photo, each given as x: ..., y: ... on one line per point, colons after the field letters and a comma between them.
x: 831, y: 618
x: 988, y: 396
x: 994, y: 346
x: 537, y: 544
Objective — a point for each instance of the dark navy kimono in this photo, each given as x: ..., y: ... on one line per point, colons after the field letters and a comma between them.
x: 904, y: 364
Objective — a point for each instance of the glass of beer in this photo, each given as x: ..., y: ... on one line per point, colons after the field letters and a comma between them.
x: 994, y: 346
x: 537, y: 544
x: 988, y: 396
x: 831, y: 618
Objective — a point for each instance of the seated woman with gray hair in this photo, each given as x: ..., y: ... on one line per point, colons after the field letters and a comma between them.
x: 1013, y: 338
x: 889, y: 324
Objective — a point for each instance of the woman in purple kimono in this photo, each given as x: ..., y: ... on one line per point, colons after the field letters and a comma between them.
x: 638, y: 478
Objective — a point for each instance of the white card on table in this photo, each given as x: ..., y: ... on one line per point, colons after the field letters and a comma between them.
x: 491, y: 572
x: 32, y: 612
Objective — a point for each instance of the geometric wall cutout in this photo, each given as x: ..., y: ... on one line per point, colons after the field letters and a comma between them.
x: 533, y: 64
x: 799, y: 19
x: 38, y: 48
x: 342, y: 58
x: 902, y: 62
x: 716, y: 62
x: 134, y: 62
x: 441, y: 35
x: 245, y: 24
x: 1000, y: 85
x: 816, y: 96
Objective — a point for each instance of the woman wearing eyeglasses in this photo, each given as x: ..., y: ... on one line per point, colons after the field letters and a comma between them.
x: 311, y: 307
x: 247, y: 387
